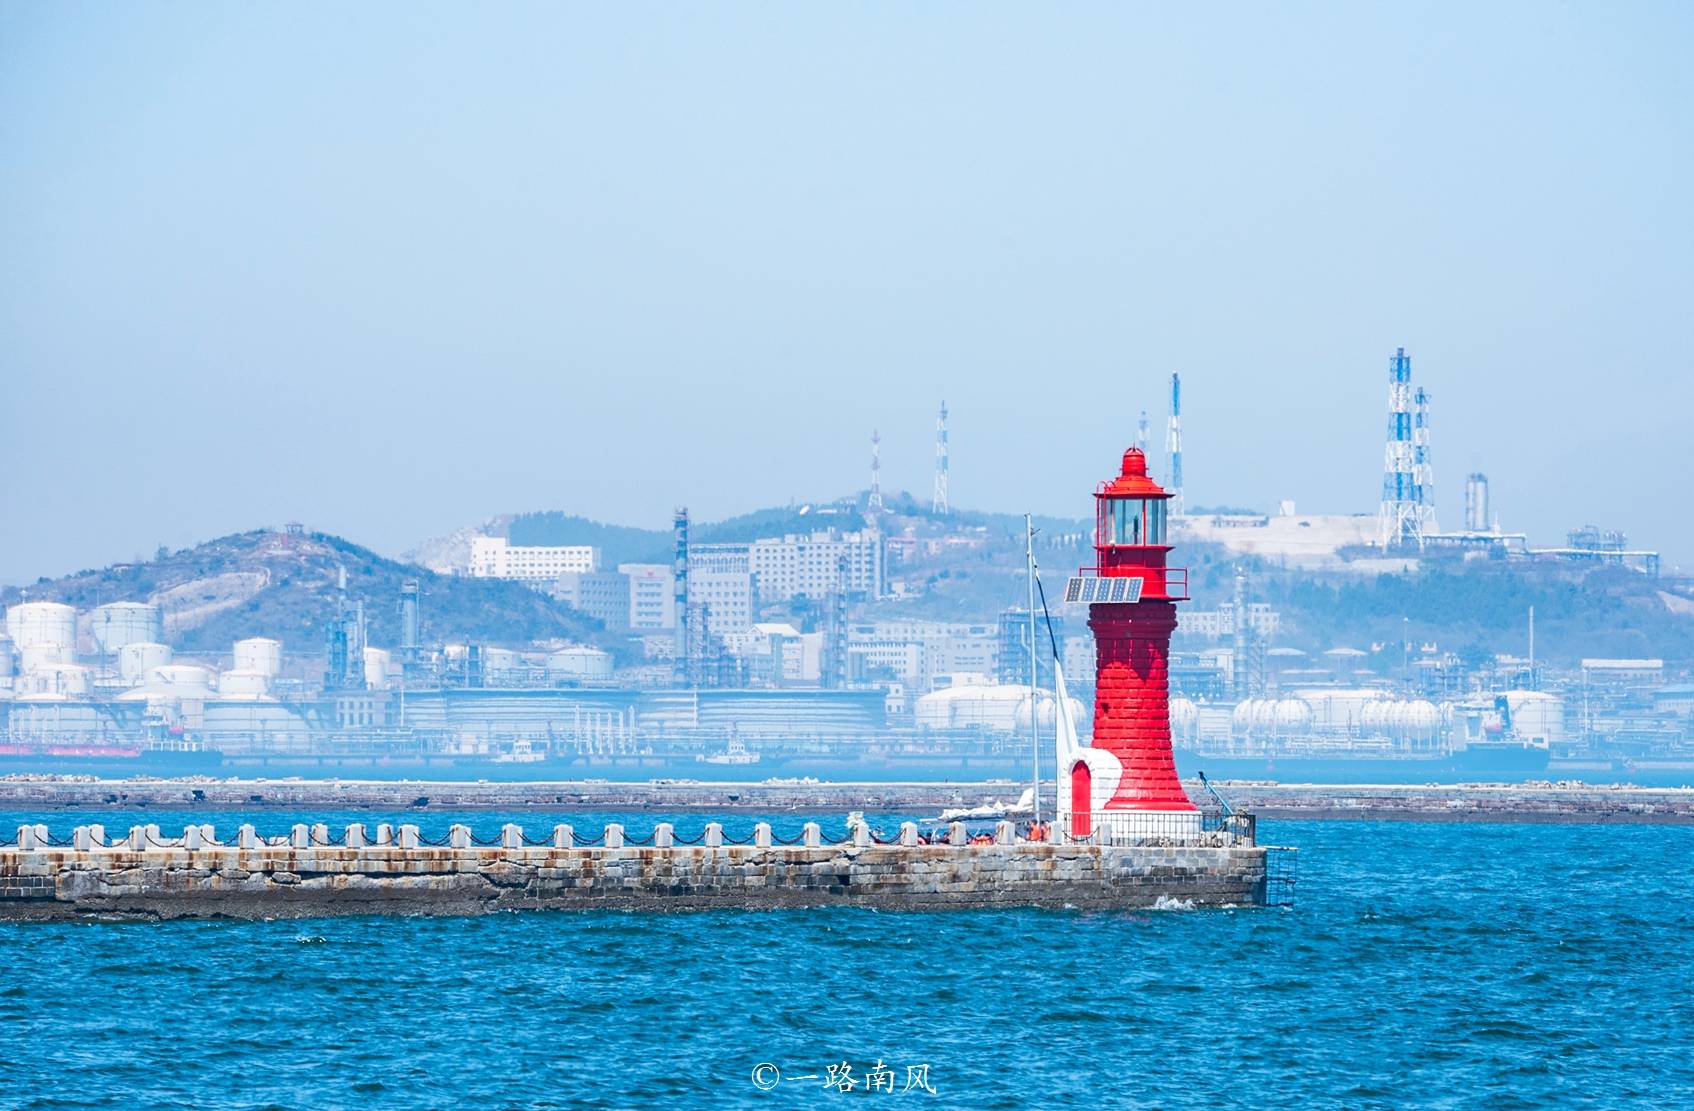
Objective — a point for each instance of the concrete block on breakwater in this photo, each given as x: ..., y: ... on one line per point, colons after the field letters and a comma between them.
x: 309, y: 873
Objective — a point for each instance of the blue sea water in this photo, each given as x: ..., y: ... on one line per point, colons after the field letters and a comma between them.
x: 1423, y: 966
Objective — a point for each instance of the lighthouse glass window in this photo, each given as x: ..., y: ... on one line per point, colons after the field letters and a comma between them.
x: 1135, y: 521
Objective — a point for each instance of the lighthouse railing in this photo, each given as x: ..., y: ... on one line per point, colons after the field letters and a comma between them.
x: 1140, y: 827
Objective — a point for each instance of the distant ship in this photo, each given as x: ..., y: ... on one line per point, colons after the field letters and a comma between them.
x: 86, y: 758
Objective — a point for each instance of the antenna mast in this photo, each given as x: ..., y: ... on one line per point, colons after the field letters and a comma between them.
x: 874, y: 503
x: 1173, y: 446
x: 939, y: 505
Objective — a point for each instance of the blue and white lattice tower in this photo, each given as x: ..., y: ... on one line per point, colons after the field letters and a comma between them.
x: 1407, y: 513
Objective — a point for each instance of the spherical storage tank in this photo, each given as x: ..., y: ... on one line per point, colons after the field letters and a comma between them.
x: 1046, y: 713
x: 136, y: 660
x: 1537, y: 715
x: 1241, y: 719
x: 988, y: 706
x: 1185, y: 718
x: 579, y: 663
x: 119, y: 623
x: 42, y: 625
x: 1292, y: 716
x: 1418, y: 720
x: 261, y: 654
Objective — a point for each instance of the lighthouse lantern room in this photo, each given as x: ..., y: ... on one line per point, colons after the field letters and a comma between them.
x: 1125, y: 784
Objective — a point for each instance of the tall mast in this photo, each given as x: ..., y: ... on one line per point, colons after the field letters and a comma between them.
x: 1034, y: 671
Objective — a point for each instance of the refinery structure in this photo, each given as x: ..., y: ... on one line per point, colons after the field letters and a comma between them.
x: 807, y: 650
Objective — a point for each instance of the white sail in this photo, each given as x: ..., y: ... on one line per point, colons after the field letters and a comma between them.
x: 1069, y: 745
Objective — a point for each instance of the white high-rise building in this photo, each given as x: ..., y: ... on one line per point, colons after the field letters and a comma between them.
x: 652, y: 595
x: 814, y: 565
x: 727, y: 596
x: 493, y: 557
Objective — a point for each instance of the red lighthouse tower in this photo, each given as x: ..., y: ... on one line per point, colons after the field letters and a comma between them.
x: 1127, y: 780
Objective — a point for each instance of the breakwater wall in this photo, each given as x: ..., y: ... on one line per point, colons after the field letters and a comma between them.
x: 392, y: 870
x: 1529, y: 803
x: 1488, y: 802
x: 198, y: 793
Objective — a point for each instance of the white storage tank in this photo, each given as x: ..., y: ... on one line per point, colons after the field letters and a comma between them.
x: 136, y: 660
x: 1293, y: 717
x: 1241, y: 719
x: 996, y: 708
x: 1536, y: 715
x: 244, y: 685
x: 8, y: 659
x: 183, y: 678
x: 41, y: 657
x: 175, y: 681
x: 500, y: 661
x: 42, y: 625
x: 1185, y: 719
x: 1046, y: 713
x: 119, y: 623
x: 579, y: 663
x: 1419, y: 720
x: 1373, y: 719
x: 261, y: 654
x: 965, y: 706
x: 57, y: 681
x: 379, y: 666
x: 1340, y: 709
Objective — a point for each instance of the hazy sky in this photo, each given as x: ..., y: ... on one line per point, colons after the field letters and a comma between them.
x: 391, y: 269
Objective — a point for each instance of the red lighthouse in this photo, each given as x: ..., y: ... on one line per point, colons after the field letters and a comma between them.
x: 1127, y: 780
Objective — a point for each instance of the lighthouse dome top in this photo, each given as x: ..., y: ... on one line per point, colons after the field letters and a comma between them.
x: 1133, y: 482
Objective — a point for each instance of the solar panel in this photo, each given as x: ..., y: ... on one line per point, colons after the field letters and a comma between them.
x: 1087, y: 589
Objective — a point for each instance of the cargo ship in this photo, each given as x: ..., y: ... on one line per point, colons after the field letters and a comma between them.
x: 92, y: 758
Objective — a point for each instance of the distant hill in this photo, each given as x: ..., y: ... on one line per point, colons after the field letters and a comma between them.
x: 1480, y: 608
x: 622, y: 544
x: 264, y: 583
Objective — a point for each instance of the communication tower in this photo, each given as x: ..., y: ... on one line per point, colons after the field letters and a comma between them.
x: 1173, y: 447
x: 874, y: 503
x: 1407, y: 514
x: 681, y: 658
x: 939, y: 505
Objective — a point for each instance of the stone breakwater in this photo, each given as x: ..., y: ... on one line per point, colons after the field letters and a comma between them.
x: 672, y: 795
x: 1485, y: 802
x: 309, y: 873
